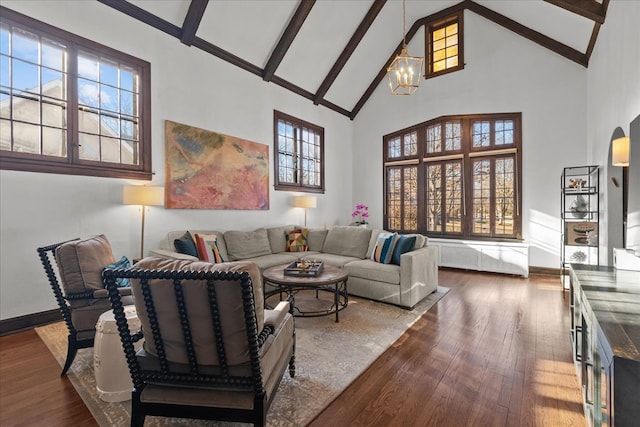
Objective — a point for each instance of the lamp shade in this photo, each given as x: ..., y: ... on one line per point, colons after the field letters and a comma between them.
x: 143, y: 195
x: 305, y: 201
x: 620, y: 151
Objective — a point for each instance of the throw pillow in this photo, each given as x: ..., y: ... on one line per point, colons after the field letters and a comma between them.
x: 403, y: 245
x: 186, y: 245
x: 297, y: 240
x: 207, y: 245
x: 383, y: 250
x: 122, y: 263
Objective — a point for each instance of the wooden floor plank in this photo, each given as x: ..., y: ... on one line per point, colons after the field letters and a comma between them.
x: 494, y: 352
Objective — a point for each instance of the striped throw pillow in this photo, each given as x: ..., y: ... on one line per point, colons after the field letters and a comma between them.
x: 207, y: 245
x: 383, y: 251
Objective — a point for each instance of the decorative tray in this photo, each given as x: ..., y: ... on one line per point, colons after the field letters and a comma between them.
x: 304, y: 268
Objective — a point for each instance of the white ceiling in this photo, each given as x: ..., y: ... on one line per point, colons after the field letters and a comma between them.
x: 251, y: 29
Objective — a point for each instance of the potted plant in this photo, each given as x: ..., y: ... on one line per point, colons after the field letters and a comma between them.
x: 361, y: 214
x: 580, y: 207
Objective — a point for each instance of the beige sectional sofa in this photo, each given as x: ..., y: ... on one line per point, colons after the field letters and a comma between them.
x: 347, y: 247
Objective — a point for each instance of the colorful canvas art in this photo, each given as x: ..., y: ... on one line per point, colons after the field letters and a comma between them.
x: 209, y: 170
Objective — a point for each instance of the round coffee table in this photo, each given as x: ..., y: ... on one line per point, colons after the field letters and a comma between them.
x: 332, y: 280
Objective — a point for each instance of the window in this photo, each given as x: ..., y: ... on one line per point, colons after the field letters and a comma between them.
x: 462, y: 180
x: 444, y: 45
x: 299, y: 154
x: 69, y: 105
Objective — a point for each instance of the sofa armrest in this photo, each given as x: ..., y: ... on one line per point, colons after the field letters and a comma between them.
x: 163, y: 253
x: 418, y: 275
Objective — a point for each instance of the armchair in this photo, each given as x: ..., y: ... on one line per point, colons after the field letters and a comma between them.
x: 211, y: 350
x: 81, y: 296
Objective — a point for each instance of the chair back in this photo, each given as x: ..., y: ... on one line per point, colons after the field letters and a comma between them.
x: 203, y: 324
x: 46, y: 253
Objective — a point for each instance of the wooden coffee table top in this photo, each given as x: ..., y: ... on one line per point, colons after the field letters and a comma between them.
x: 330, y: 274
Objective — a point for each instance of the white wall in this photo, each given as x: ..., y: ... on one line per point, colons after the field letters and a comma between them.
x: 613, y: 90
x: 503, y: 73
x: 188, y: 86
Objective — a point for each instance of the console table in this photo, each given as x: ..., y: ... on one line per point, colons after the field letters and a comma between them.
x: 605, y: 334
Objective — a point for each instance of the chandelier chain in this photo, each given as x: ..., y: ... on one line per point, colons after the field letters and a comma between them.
x: 404, y: 30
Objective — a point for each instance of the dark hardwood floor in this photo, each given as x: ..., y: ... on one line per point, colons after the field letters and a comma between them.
x: 494, y: 352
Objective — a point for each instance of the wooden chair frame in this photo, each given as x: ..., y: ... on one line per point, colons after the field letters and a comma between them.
x: 140, y: 377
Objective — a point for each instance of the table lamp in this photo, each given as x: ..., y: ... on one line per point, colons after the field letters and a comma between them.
x: 305, y: 202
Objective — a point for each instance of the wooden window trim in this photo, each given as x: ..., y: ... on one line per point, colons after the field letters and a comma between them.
x: 71, y: 164
x: 286, y: 186
x: 467, y: 154
x: 432, y: 26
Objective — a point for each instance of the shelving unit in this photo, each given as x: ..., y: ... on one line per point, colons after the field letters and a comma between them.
x: 580, y: 219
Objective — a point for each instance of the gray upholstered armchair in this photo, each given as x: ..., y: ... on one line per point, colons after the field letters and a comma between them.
x: 211, y: 350
x: 79, y: 293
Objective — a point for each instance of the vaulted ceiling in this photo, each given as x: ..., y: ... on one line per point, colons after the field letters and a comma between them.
x: 335, y: 52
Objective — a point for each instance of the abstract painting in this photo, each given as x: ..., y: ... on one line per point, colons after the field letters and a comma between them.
x: 209, y: 170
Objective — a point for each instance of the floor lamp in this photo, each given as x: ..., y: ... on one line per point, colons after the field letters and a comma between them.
x: 143, y: 196
x: 305, y: 202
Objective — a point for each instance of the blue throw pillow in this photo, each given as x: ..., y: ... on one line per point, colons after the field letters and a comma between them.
x: 122, y: 263
x: 186, y: 245
x: 404, y: 244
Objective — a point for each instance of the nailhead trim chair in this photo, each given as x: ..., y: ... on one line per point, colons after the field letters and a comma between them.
x: 81, y: 297
x: 211, y: 351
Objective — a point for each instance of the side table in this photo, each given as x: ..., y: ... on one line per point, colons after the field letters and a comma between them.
x: 113, y: 380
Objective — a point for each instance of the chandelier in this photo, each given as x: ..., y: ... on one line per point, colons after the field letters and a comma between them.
x: 405, y: 71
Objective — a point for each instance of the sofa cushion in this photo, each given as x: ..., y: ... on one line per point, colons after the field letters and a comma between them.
x: 315, y: 239
x: 247, y: 244
x: 385, y: 244
x: 81, y: 262
x: 266, y: 261
x: 297, y: 240
x: 207, y: 246
x: 371, y: 270
x: 403, y: 244
x: 278, y: 238
x: 347, y: 241
x: 186, y: 245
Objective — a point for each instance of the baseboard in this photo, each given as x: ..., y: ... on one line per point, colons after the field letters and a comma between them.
x: 29, y: 321
x: 544, y: 271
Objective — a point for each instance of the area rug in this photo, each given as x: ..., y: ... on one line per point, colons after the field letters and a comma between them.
x: 329, y: 356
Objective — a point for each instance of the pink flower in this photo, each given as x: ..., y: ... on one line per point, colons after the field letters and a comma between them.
x: 362, y: 212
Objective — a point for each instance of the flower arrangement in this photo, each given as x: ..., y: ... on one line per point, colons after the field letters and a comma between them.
x: 361, y: 213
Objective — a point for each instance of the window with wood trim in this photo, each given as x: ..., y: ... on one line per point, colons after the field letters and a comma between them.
x: 444, y: 45
x: 69, y: 105
x: 299, y: 154
x: 462, y: 181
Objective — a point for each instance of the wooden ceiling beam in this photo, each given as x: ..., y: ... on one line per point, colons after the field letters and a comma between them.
x: 143, y: 16
x: 298, y: 18
x: 594, y: 33
x: 526, y: 32
x: 589, y: 9
x: 192, y: 20
x: 357, y: 36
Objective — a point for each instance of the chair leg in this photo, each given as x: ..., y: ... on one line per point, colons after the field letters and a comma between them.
x: 72, y: 349
x: 137, y: 416
x: 292, y: 366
